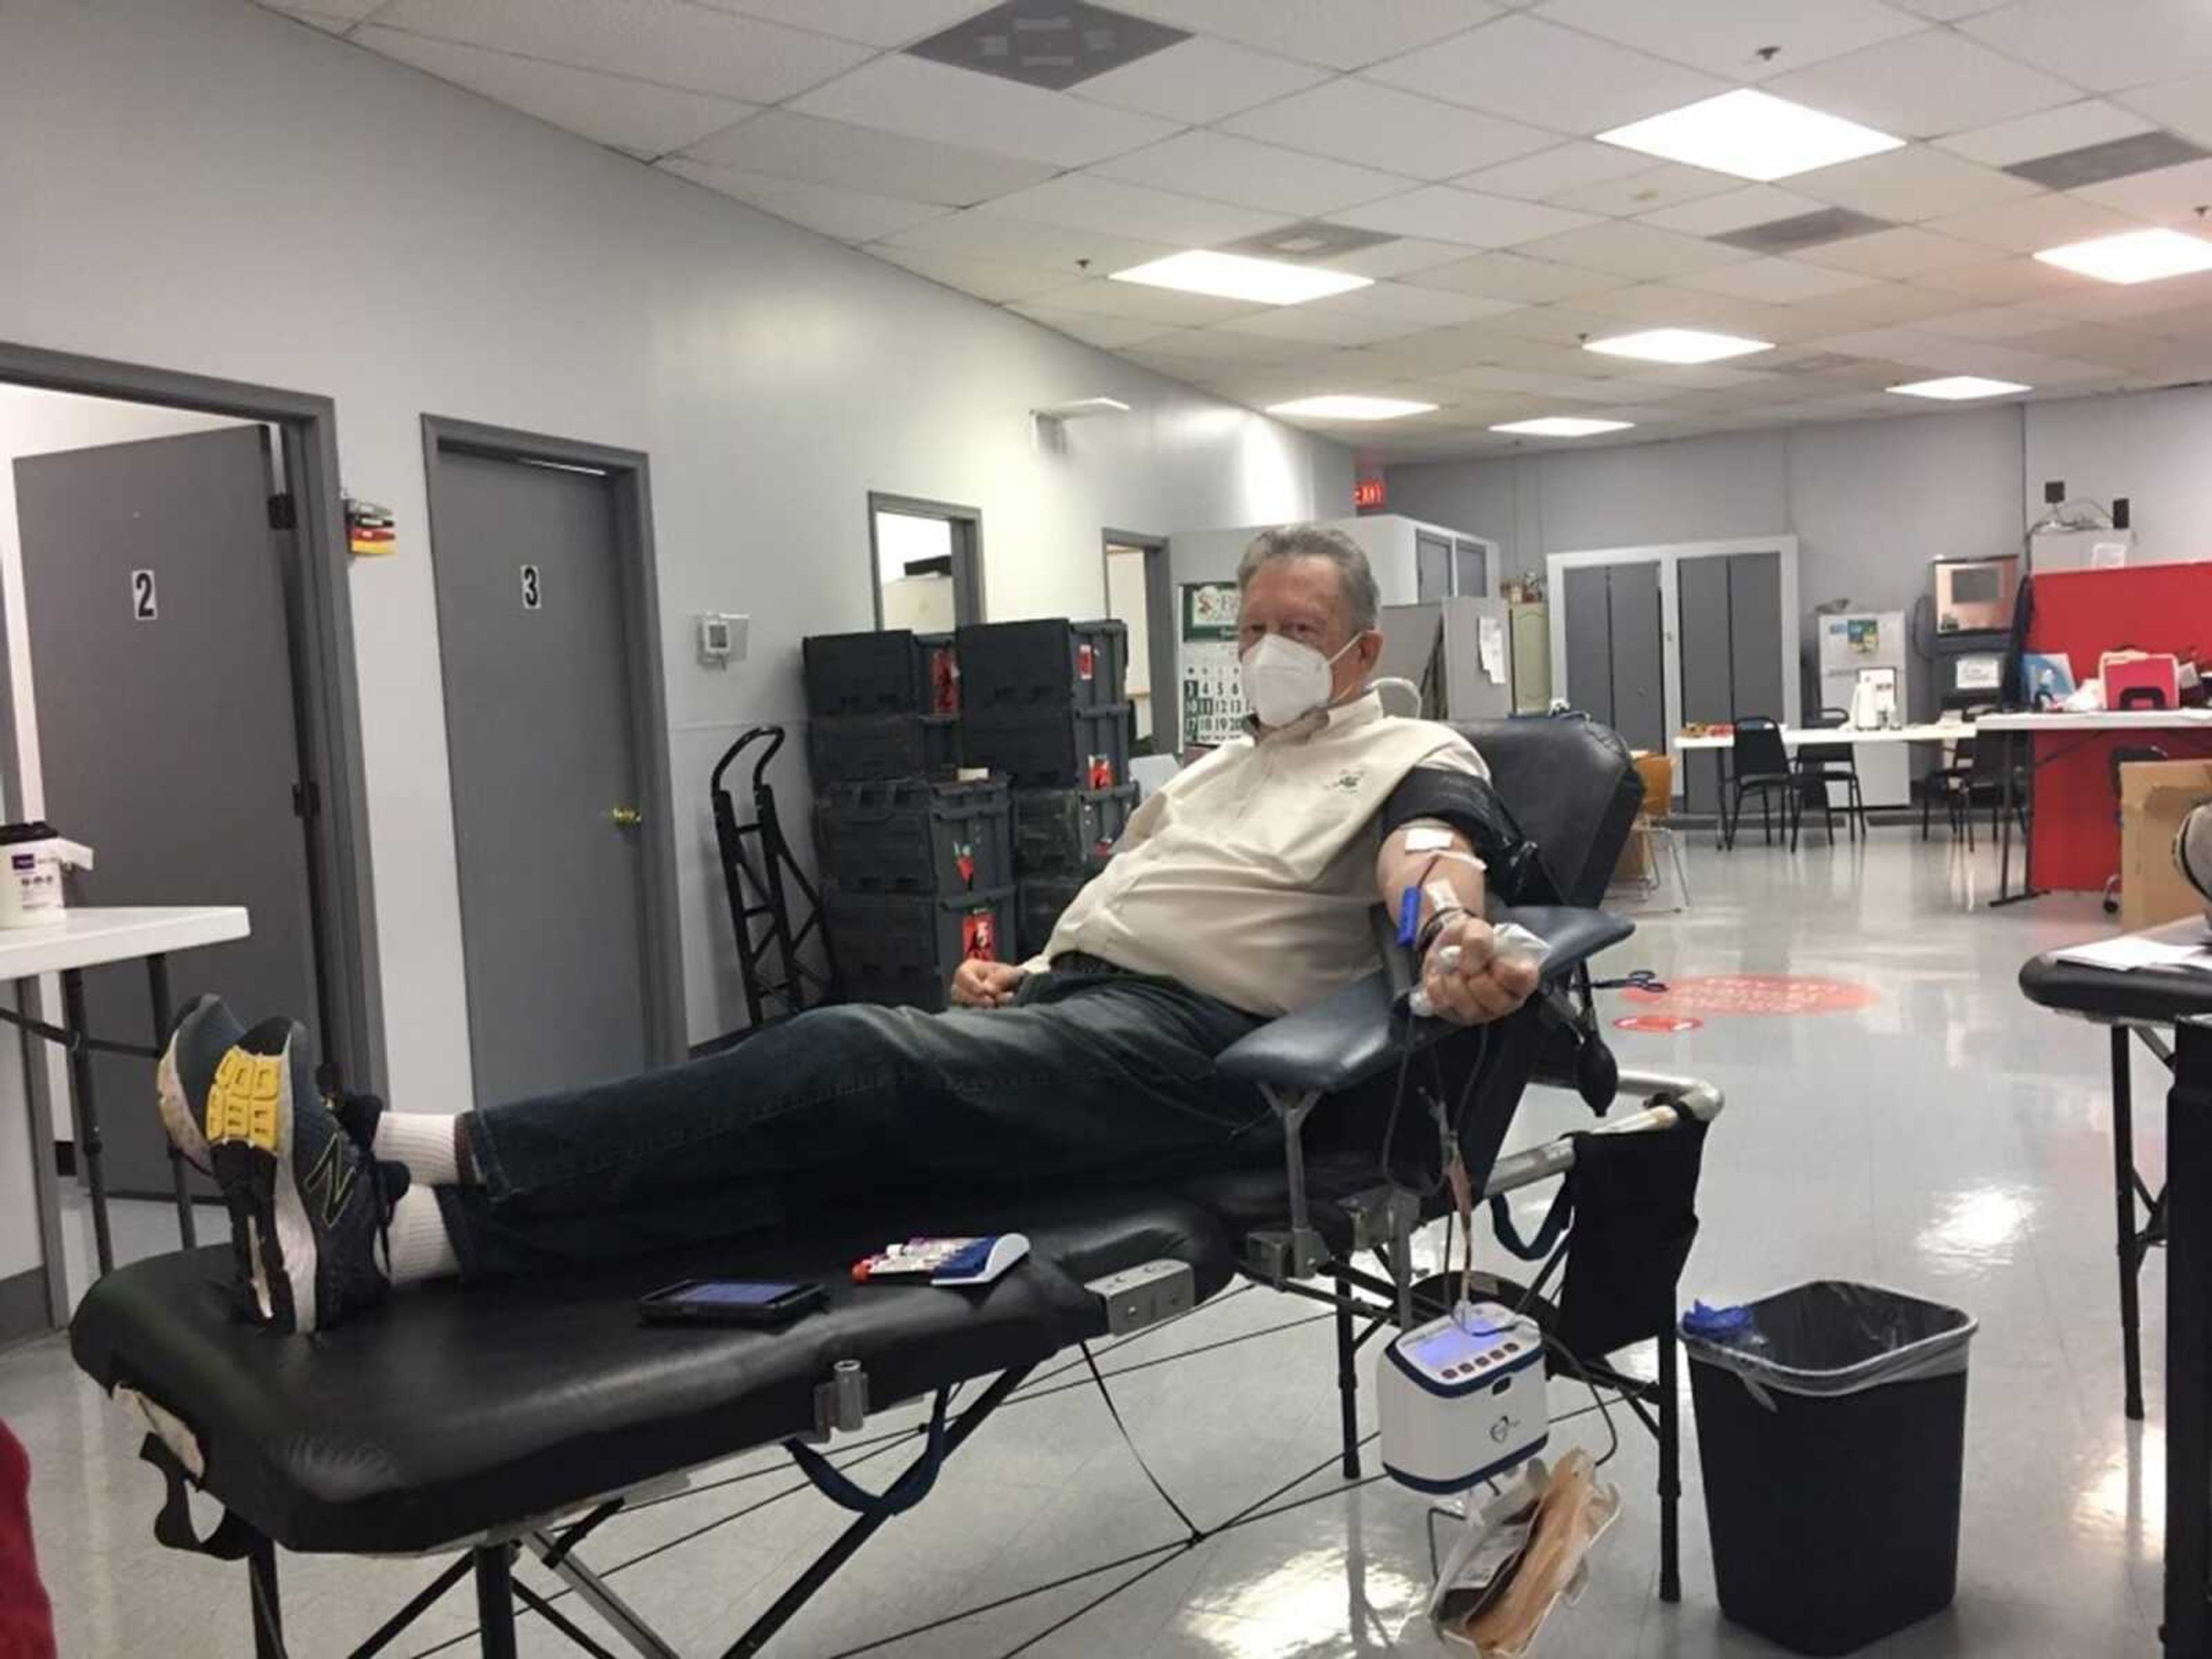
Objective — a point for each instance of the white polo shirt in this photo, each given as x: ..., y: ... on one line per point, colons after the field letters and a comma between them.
x: 1249, y: 877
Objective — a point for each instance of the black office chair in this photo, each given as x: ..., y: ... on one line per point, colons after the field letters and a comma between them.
x: 2126, y: 754
x: 1758, y: 763
x: 1818, y: 765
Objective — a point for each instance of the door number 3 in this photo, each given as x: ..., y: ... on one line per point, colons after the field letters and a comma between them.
x: 532, y: 596
x: 145, y: 603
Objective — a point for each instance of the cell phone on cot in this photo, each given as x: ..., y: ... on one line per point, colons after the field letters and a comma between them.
x: 729, y: 1302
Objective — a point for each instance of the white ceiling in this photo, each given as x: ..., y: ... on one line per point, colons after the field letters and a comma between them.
x: 1462, y: 129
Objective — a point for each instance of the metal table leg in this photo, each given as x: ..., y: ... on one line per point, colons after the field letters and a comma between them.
x: 2124, y: 1201
x: 157, y: 985
x: 86, y: 1111
x: 2189, y: 1348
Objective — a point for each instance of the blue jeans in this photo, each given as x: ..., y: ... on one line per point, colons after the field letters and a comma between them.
x: 1088, y: 1074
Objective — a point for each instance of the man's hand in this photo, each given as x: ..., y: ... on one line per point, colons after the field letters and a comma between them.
x: 1480, y: 986
x: 985, y: 984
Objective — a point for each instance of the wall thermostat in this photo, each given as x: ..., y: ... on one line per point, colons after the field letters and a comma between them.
x: 721, y: 638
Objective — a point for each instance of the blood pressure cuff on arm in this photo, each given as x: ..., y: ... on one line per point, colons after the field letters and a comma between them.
x: 1470, y: 806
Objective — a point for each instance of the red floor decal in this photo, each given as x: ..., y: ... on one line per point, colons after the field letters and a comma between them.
x: 1665, y: 1024
x: 1757, y: 994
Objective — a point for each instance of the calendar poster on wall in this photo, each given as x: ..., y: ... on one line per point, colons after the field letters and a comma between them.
x: 1212, y: 696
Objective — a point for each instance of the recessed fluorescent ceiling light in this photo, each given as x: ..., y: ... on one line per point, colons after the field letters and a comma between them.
x: 1678, y: 345
x: 1954, y: 387
x: 1564, y: 426
x: 2134, y: 256
x: 1339, y: 406
x: 1233, y: 277
x: 1753, y: 135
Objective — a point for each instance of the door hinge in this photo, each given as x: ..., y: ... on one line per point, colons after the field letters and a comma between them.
x: 283, y: 512
x: 306, y: 799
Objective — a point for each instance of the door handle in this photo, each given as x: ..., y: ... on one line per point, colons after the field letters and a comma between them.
x: 627, y: 817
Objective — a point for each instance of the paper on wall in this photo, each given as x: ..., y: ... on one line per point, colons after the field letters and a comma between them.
x: 1490, y: 645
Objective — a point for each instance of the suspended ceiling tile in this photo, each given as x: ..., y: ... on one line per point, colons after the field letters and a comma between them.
x: 2184, y: 106
x: 1381, y: 127
x: 1877, y: 304
x: 2034, y: 223
x: 1314, y: 327
x: 987, y: 279
x: 2170, y: 195
x: 1140, y: 303
x: 1733, y: 210
x: 1992, y: 323
x: 850, y: 215
x: 1401, y: 256
x: 1634, y: 250
x: 666, y: 41
x: 1548, y: 171
x: 608, y: 109
x: 1676, y: 307
x: 1218, y: 343
x: 1200, y: 80
x: 1916, y: 183
x: 1515, y: 276
x: 1703, y: 376
x: 2004, y: 282
x: 1443, y: 214
x: 1901, y: 253
x: 1341, y: 35
x: 2108, y: 45
x: 1430, y: 308
x: 1110, y: 333
x: 1226, y: 168
x: 1724, y: 37
x: 1920, y: 85
x: 1777, y: 282
x: 875, y: 22
x: 329, y: 18
x: 898, y: 94
x: 2087, y: 342
x: 785, y: 145
x: 1536, y: 72
x: 975, y: 234
x: 1082, y: 201
x: 2048, y: 132
x: 1668, y: 185
x: 1563, y: 326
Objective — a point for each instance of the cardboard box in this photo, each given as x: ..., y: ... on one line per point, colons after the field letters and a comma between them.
x: 1636, y: 862
x: 2155, y: 797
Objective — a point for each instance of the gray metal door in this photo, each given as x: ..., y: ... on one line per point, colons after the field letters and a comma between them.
x: 1589, y: 629
x: 546, y: 783
x: 1754, y: 582
x: 1433, y: 567
x: 1639, y: 696
x: 1470, y: 571
x: 1702, y: 587
x: 154, y: 593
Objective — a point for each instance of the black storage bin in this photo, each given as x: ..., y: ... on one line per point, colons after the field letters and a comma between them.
x: 902, y: 948
x: 881, y: 672
x: 910, y: 836
x: 1044, y: 664
x: 1062, y: 830
x: 1832, y: 1447
x: 1064, y: 747
x: 861, y: 748
x: 1039, y: 903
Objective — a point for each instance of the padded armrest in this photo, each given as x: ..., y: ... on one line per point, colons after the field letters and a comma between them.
x: 1350, y: 1036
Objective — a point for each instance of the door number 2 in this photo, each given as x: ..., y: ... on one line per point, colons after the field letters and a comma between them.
x: 145, y: 603
x: 532, y: 596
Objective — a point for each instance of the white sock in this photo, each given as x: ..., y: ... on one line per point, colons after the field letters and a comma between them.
x: 421, y: 1248
x: 423, y: 1141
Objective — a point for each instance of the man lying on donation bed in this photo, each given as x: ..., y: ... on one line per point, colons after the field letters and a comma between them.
x: 1240, y: 891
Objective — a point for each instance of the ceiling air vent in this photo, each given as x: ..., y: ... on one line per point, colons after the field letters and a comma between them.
x: 1054, y: 44
x: 2116, y: 158
x: 1802, y: 230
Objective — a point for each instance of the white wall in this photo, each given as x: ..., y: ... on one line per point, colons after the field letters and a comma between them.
x: 1125, y: 599
x: 37, y: 423
x: 1870, y: 502
x: 203, y: 185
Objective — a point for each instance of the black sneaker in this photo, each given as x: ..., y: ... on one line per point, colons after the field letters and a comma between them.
x: 307, y: 1207
x: 357, y: 1116
x: 201, y: 1036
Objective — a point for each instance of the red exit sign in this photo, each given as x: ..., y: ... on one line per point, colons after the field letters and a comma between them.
x: 1367, y: 492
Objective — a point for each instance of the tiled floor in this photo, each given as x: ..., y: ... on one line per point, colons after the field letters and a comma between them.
x: 1948, y: 1139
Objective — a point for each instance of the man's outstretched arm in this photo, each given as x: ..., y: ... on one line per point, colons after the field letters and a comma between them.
x: 1424, y: 851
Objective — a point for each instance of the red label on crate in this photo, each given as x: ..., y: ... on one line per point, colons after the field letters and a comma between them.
x: 1087, y: 661
x: 964, y: 860
x: 1102, y: 772
x: 943, y: 681
x: 979, y: 937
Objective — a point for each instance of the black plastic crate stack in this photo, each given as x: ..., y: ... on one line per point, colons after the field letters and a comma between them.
x: 1045, y: 704
x: 881, y: 705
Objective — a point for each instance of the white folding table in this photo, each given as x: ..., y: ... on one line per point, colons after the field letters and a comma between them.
x: 1792, y: 736
x: 97, y: 938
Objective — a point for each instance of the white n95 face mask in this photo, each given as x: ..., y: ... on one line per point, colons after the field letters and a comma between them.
x: 1284, y: 680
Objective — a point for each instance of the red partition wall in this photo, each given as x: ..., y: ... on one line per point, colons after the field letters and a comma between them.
x: 2083, y: 614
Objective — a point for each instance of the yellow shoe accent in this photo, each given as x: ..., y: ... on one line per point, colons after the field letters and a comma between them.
x: 241, y: 1101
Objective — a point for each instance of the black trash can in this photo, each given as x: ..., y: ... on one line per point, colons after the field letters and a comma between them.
x: 1831, y: 1430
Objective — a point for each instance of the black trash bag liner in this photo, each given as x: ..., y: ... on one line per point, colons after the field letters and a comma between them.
x: 1832, y: 1337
